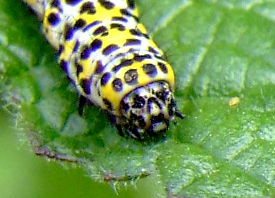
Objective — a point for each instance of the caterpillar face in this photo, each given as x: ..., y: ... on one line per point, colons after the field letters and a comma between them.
x: 112, y: 61
x: 148, y: 110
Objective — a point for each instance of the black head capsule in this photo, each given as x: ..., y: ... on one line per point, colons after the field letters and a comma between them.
x: 147, y: 111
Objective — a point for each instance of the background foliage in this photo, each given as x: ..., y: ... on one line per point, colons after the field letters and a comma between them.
x: 220, y: 49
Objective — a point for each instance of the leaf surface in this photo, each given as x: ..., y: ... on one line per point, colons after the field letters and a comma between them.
x: 223, y: 55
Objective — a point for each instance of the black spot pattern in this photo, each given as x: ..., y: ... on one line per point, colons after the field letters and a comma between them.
x: 131, y: 77
x: 60, y: 49
x: 101, y: 46
x: 132, y: 42
x: 91, y: 25
x: 121, y: 19
x: 139, y: 102
x: 140, y: 58
x: 151, y: 49
x: 55, y: 3
x: 79, y: 68
x: 131, y: 4
x: 69, y: 32
x: 117, y: 85
x: 118, y: 26
x: 76, y: 46
x: 109, y: 49
x: 150, y: 70
x: 73, y: 2
x: 100, y: 30
x: 99, y: 67
x: 80, y: 23
x: 88, y: 7
x: 105, y: 78
x: 106, y: 4
x: 53, y: 19
x: 86, y: 52
x: 86, y: 85
x: 163, y: 67
x: 64, y: 65
x: 127, y: 13
x: 135, y: 32
x: 108, y: 104
x: 124, y: 63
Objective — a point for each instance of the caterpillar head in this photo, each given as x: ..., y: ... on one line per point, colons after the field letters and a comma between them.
x: 147, y: 111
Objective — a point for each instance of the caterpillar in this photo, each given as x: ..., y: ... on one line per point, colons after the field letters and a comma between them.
x: 112, y: 61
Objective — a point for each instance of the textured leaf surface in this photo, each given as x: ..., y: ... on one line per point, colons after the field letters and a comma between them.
x: 224, y: 58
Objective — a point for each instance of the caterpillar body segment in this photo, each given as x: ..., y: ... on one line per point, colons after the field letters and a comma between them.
x: 112, y: 61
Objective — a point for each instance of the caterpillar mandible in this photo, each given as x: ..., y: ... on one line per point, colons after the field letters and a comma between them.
x: 112, y: 61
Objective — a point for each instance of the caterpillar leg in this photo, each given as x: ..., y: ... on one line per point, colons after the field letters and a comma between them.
x: 179, y: 114
x: 81, y: 104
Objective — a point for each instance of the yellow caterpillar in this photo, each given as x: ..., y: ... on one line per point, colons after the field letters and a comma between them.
x: 112, y: 61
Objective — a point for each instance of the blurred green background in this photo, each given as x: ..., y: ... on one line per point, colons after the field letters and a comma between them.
x: 25, y: 175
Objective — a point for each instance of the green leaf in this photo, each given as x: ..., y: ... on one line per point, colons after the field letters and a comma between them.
x: 223, y: 55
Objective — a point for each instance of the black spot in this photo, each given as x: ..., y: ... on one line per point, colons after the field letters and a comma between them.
x: 108, y: 104
x: 118, y: 26
x: 124, y: 106
x: 100, y: 30
x: 162, y: 67
x: 109, y: 49
x: 105, y: 78
x: 73, y: 2
x: 55, y: 3
x: 96, y: 44
x: 60, y: 49
x: 160, y: 57
x: 131, y: 76
x: 139, y: 102
x: 80, y: 23
x: 162, y: 95
x: 53, y: 19
x: 133, y: 117
x: 135, y: 32
x: 132, y: 50
x: 140, y: 58
x: 86, y: 85
x: 106, y: 4
x: 105, y: 33
x: 69, y: 32
x: 132, y: 42
x: 98, y: 92
x: 64, y: 65
x: 127, y: 13
x: 117, y: 85
x: 99, y: 67
x: 150, y: 70
x: 86, y: 52
x: 79, y: 68
x: 131, y: 4
x: 157, y: 119
x: 76, y: 46
x: 118, y: 55
x: 141, y: 122
x: 91, y: 25
x: 124, y: 63
x: 122, y: 19
x: 146, y: 35
x: 152, y: 50
x: 88, y: 7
